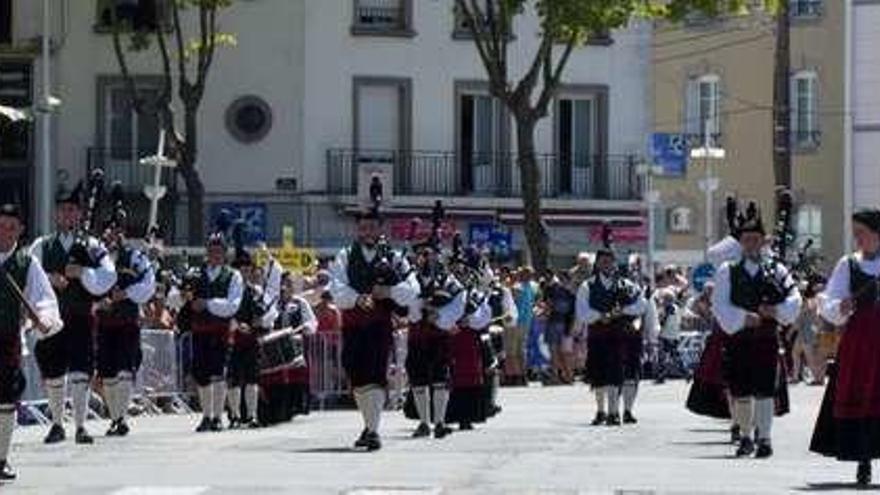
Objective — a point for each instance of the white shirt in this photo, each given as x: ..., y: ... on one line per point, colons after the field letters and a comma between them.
x: 307, y: 316
x: 837, y: 288
x: 142, y: 291
x: 228, y: 306
x: 97, y: 281
x: 345, y: 296
x: 480, y: 318
x: 39, y: 293
x: 732, y: 319
x: 448, y: 315
x: 584, y: 313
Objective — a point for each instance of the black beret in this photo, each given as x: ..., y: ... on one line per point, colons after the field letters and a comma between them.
x: 869, y: 217
x: 10, y: 210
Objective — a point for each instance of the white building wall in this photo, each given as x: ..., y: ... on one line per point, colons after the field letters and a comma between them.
x: 865, y: 79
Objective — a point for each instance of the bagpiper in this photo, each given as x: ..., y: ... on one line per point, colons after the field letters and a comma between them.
x: 23, y: 284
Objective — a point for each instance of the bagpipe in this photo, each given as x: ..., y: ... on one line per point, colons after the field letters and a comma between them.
x: 80, y: 252
x: 623, y: 293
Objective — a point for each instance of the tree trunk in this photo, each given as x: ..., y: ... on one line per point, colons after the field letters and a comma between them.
x: 530, y: 179
x: 782, y: 99
x: 195, y: 190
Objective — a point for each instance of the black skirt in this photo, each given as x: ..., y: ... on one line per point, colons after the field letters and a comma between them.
x: 468, y: 405
x: 844, y: 439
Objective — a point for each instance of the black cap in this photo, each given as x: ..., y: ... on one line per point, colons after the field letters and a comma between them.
x: 10, y: 210
x: 73, y: 196
x: 242, y: 259
x: 869, y: 217
x: 751, y: 221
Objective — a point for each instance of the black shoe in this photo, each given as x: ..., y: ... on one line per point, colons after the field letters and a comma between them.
x: 56, y: 434
x: 373, y: 443
x: 735, y: 434
x: 422, y: 431
x: 234, y: 423
x: 863, y: 476
x: 465, y: 426
x: 361, y: 442
x: 122, y: 428
x: 600, y: 419
x: 252, y: 424
x: 496, y: 410
x: 6, y: 472
x: 204, y: 426
x: 113, y: 431
x: 765, y: 450
x: 216, y: 424
x: 612, y: 420
x: 83, y: 437
x: 441, y: 431
x: 746, y: 447
x: 629, y: 419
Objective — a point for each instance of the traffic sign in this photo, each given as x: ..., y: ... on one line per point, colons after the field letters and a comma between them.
x: 702, y: 274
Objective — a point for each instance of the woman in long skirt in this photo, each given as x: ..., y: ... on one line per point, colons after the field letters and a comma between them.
x: 848, y: 427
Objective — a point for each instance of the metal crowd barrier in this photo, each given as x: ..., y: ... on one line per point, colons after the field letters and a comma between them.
x: 327, y: 380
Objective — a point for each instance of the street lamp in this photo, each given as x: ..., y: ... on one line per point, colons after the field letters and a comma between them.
x: 709, y: 184
x: 650, y: 197
x: 156, y: 191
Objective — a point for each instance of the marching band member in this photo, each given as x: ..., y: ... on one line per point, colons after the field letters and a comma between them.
x: 119, y: 332
x: 751, y: 299
x: 80, y: 271
x: 433, y: 316
x: 608, y: 304
x: 25, y: 272
x: 370, y: 282
x: 848, y: 427
x: 213, y: 302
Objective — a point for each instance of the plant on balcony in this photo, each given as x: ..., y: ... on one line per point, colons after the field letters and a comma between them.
x: 186, y: 64
x: 565, y: 25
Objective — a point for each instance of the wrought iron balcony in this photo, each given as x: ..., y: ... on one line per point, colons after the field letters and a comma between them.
x: 380, y: 18
x: 123, y: 165
x: 444, y: 173
x: 805, y: 9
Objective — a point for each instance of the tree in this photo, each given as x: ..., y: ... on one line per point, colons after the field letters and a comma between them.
x: 565, y: 24
x: 184, y: 61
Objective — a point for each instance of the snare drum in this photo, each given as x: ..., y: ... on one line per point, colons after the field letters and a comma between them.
x: 281, y: 349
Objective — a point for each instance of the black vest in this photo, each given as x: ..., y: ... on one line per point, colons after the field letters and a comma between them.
x: 361, y: 274
x: 745, y: 290
x: 862, y: 286
x: 292, y: 315
x: 603, y: 299
x: 75, y: 298
x: 17, y: 265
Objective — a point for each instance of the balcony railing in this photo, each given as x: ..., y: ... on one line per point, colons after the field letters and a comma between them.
x: 439, y: 173
x: 800, y: 9
x: 380, y: 18
x: 123, y: 165
x: 806, y: 139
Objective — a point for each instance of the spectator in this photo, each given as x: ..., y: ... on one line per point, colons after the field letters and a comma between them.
x: 559, y: 301
x: 525, y: 293
x: 328, y: 315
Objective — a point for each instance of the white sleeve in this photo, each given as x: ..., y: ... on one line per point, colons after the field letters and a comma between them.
x: 448, y: 315
x: 732, y: 319
x: 98, y: 281
x: 510, y: 306
x: 142, y: 291
x: 37, y: 248
x: 787, y: 311
x: 727, y: 249
x: 637, y: 308
x: 407, y: 290
x: 836, y: 291
x: 651, y: 322
x: 272, y: 291
x: 228, y: 306
x: 39, y: 293
x: 308, y: 318
x: 343, y: 294
x: 481, y: 318
x: 584, y: 313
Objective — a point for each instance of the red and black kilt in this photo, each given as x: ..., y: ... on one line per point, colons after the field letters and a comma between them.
x: 210, y: 347
x: 367, y: 339
x: 708, y: 393
x: 752, y: 362
x: 12, y: 380
x: 119, y: 345
x: 244, y: 360
x: 428, y: 356
x: 468, y: 402
x: 71, y: 349
x: 849, y: 422
x: 605, y: 354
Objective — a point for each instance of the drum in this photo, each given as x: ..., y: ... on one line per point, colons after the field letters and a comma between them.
x: 281, y: 349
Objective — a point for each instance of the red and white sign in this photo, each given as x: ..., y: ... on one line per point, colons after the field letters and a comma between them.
x: 401, y: 230
x: 629, y: 234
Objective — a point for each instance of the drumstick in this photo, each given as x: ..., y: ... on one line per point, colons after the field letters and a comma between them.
x: 28, y: 308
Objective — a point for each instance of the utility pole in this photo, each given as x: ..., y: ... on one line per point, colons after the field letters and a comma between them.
x: 782, y: 98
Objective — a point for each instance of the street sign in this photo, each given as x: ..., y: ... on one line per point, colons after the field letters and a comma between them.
x: 702, y: 274
x: 290, y: 257
x: 490, y: 235
x: 670, y: 153
x: 254, y: 215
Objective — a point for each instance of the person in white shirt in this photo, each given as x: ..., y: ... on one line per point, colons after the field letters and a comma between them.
x: 848, y: 426
x: 751, y: 300
x: 24, y: 271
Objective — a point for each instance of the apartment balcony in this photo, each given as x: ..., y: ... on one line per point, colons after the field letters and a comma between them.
x: 382, y: 18
x: 485, y: 175
x: 123, y: 165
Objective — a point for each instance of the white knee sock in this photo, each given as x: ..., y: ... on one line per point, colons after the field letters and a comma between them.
x: 206, y: 400
x: 441, y: 402
x: 731, y: 405
x: 125, y: 389
x: 55, y: 391
x: 422, y: 398
x: 219, y: 392
x: 7, y: 425
x: 744, y: 412
x: 613, y: 400
x: 630, y: 392
x: 599, y: 393
x: 80, y: 393
x: 111, y: 397
x: 234, y: 398
x: 252, y: 400
x: 764, y: 409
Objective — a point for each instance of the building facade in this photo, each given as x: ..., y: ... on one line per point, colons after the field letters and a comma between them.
x: 713, y: 82
x: 316, y: 98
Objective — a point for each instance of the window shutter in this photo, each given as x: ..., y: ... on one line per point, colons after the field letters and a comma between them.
x: 692, y: 107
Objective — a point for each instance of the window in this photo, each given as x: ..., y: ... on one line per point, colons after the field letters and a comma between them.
x: 680, y: 220
x: 5, y: 22
x: 809, y: 225
x: 127, y: 134
x: 462, y: 30
x: 578, y: 134
x: 137, y: 15
x: 805, y: 9
x: 483, y: 142
x: 804, y: 116
x: 382, y: 17
x: 16, y: 83
x: 704, y: 110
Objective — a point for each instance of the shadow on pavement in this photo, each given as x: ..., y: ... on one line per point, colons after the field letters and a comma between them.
x: 834, y: 486
x: 706, y: 443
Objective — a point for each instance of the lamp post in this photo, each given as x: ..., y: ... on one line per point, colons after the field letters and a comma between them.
x: 650, y: 197
x: 156, y: 191
x: 709, y: 184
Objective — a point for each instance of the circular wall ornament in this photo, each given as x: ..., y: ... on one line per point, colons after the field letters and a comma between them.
x: 249, y: 119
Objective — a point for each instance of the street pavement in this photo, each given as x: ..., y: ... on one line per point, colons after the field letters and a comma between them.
x: 541, y: 443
